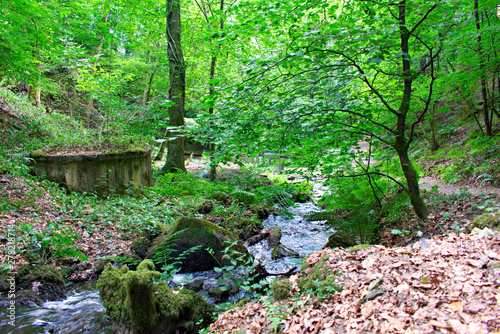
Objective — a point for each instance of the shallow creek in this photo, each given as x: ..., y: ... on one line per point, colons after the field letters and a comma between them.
x: 82, y: 311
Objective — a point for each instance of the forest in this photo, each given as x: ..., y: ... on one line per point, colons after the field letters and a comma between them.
x: 328, y: 166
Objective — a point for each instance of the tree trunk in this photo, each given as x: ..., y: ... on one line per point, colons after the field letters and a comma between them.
x: 484, y: 95
x: 434, y: 130
x: 213, y: 165
x: 213, y: 63
x: 177, y: 70
x: 35, y: 94
x: 401, y: 142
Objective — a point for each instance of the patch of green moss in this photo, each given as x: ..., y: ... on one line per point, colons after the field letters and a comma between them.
x: 274, y: 252
x: 136, y: 304
x: 39, y: 154
x: 52, y: 282
x: 5, y: 282
x: 281, y: 289
x: 277, y: 232
x: 490, y: 220
x: 356, y: 248
x: 320, y: 281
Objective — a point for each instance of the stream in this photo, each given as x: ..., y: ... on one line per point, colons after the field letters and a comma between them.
x: 82, y: 311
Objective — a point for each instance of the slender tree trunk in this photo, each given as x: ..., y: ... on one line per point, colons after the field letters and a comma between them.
x: 90, y: 103
x: 484, y: 95
x: 434, y: 130
x: 213, y: 63
x: 213, y: 165
x: 401, y: 142
x: 175, y: 154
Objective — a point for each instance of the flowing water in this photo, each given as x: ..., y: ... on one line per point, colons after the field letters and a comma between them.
x: 298, y: 234
x: 82, y: 311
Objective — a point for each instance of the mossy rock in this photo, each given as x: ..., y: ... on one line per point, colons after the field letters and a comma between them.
x: 319, y: 280
x: 192, y: 232
x: 340, y: 239
x: 281, y: 289
x: 281, y: 251
x: 274, y: 237
x: 489, y: 219
x: 205, y: 208
x: 28, y: 297
x: 101, y: 263
x: 137, y: 305
x: 6, y: 280
x: 262, y: 211
x: 46, y: 280
x: 140, y: 246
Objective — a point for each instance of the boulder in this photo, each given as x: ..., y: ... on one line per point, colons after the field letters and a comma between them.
x: 137, y: 305
x: 273, y: 236
x: 186, y: 233
x: 340, y: 239
x: 488, y: 219
x: 283, y: 251
x: 41, y: 282
x: 140, y: 246
x: 6, y: 282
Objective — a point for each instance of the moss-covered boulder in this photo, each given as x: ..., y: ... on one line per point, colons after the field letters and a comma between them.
x: 340, y: 239
x: 6, y: 283
x: 319, y: 280
x: 281, y: 289
x: 190, y: 232
x: 136, y: 304
x: 274, y: 236
x: 489, y: 219
x: 140, y: 246
x: 46, y: 283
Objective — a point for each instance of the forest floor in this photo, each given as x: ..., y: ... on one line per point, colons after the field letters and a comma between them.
x: 447, y: 284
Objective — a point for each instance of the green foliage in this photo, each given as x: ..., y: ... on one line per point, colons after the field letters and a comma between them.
x: 320, y: 281
x: 56, y: 132
x: 54, y: 242
x: 350, y: 208
x: 164, y: 255
x: 477, y: 157
x: 281, y: 288
x: 240, y: 272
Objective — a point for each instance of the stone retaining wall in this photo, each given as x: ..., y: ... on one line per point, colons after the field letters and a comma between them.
x: 100, y: 172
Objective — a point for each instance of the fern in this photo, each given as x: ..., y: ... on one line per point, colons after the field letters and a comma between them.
x: 244, y: 196
x: 359, y: 226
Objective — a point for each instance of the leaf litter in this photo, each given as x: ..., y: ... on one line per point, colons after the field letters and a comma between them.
x: 43, y: 209
x: 450, y: 286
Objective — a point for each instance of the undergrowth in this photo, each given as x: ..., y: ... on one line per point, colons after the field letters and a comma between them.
x: 473, y: 157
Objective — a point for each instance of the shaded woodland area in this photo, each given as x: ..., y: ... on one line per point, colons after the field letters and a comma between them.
x: 247, y: 108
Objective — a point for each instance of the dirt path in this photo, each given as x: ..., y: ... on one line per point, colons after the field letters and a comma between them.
x: 448, y: 189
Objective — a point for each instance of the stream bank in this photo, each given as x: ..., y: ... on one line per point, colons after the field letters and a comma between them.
x: 82, y: 310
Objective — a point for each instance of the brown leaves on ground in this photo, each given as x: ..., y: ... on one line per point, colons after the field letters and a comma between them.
x: 34, y: 205
x: 450, y: 286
